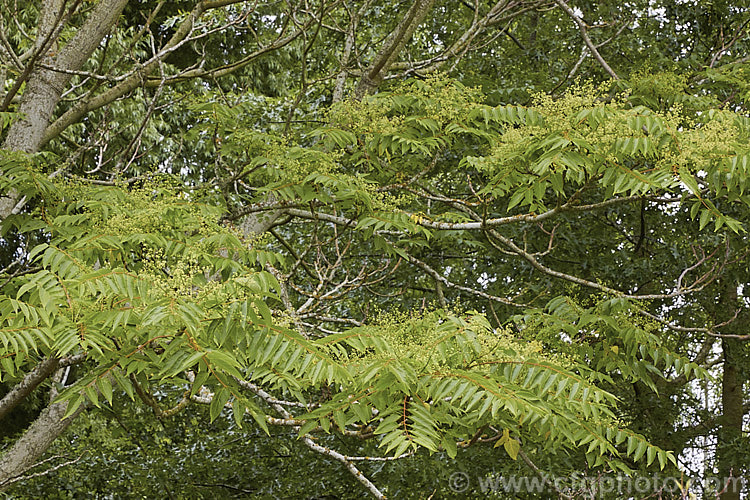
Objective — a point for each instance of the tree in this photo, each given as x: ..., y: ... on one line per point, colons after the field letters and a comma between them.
x: 195, y: 211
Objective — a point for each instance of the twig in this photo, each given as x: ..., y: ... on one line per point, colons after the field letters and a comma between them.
x: 44, y: 473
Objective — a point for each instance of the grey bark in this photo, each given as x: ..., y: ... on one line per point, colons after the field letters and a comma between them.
x: 30, y: 382
x: 259, y: 223
x: 45, y: 86
x: 351, y: 35
x: 392, y: 47
x: 27, y: 450
x: 584, y: 34
x: 139, y: 78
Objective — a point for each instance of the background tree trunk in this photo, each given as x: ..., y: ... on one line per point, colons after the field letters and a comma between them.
x: 730, y: 430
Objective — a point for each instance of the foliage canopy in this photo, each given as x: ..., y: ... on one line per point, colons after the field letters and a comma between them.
x: 311, y: 227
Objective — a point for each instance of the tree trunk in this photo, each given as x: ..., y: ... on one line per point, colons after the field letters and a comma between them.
x: 730, y: 429
x: 45, y: 86
x: 27, y: 450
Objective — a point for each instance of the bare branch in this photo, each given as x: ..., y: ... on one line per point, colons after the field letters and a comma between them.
x: 739, y: 33
x: 347, y: 461
x: 46, y: 472
x: 442, y: 279
x: 139, y: 76
x: 590, y: 284
x: 584, y: 34
x: 477, y: 225
x: 338, y: 91
x: 392, y: 47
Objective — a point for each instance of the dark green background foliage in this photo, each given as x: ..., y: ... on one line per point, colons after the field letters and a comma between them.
x: 330, y: 249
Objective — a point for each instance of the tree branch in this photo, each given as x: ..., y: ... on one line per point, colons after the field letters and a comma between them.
x: 584, y: 34
x: 25, y: 451
x: 29, y: 382
x: 391, y: 48
x: 139, y: 76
